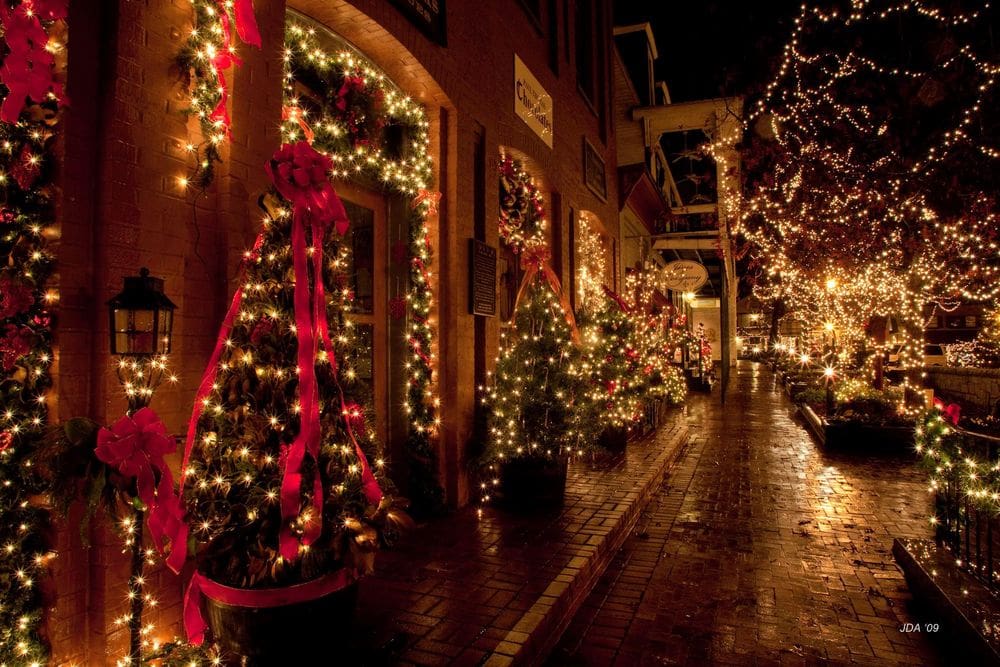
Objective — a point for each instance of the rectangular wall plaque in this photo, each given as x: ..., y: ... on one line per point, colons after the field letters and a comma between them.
x: 427, y: 15
x: 482, y: 278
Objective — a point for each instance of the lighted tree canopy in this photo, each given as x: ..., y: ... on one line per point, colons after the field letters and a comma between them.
x: 870, y: 161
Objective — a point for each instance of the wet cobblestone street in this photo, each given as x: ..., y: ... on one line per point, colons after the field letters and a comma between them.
x: 761, y: 548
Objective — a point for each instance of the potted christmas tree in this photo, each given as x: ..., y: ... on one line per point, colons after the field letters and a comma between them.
x: 283, y: 507
x: 533, y: 398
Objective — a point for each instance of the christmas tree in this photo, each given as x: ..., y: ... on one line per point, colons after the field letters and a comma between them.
x: 534, y: 394
x: 614, y: 381
x: 278, y: 488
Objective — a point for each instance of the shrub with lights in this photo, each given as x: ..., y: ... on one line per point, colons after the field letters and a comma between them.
x: 611, y: 366
x: 33, y: 36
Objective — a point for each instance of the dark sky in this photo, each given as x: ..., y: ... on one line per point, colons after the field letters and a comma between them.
x: 713, y: 48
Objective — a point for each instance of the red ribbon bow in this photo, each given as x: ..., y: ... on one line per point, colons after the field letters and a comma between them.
x: 952, y: 411
x: 429, y: 199
x: 534, y: 260
x: 135, y: 447
x: 299, y: 173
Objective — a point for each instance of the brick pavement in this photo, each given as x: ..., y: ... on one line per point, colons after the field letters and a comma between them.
x: 499, y: 589
x: 761, y: 548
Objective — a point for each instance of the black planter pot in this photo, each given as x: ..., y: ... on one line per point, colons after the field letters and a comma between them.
x: 294, y: 634
x: 613, y: 438
x: 527, y: 484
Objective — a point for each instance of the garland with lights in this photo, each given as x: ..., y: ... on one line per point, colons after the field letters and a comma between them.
x: 962, y: 476
x: 209, y: 51
x: 33, y: 33
x: 350, y: 111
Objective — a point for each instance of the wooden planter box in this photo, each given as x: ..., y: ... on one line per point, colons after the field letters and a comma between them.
x: 857, y: 435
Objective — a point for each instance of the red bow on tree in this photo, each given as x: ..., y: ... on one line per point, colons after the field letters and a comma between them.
x: 429, y: 199
x: 952, y: 411
x: 299, y: 173
x: 135, y: 447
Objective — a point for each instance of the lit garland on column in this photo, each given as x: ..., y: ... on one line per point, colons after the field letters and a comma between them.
x: 359, y: 105
x: 592, y: 269
x: 209, y: 51
x: 33, y: 61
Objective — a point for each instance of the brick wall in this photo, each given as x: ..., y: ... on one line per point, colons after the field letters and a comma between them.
x: 971, y: 387
x: 122, y: 208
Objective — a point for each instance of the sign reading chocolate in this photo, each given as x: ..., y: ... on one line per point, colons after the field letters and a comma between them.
x: 684, y: 275
x: 532, y: 103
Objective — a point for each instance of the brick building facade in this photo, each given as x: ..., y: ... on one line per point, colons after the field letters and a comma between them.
x: 121, y: 208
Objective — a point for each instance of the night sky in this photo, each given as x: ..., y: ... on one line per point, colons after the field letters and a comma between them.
x: 713, y: 48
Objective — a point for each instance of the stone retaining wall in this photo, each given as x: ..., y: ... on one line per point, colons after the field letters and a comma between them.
x: 971, y: 387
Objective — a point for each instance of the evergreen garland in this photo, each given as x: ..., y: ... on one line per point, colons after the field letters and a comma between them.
x: 26, y: 222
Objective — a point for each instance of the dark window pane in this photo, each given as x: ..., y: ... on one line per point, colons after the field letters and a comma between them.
x: 362, y: 262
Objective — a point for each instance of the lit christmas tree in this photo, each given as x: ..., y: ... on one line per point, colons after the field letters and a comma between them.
x: 534, y: 390
x: 613, y: 378
x: 278, y: 487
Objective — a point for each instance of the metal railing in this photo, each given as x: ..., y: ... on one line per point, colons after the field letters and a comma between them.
x: 970, y: 531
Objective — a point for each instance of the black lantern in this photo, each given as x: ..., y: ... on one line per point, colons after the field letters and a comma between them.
x: 142, y: 317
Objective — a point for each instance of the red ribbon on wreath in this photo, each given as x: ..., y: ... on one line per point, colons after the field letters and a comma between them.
x: 535, y: 260
x: 135, y: 447
x: 428, y: 198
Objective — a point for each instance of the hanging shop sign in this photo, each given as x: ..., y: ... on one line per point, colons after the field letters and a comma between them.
x: 532, y: 103
x: 427, y: 15
x: 684, y: 275
x: 594, y: 173
x: 482, y: 278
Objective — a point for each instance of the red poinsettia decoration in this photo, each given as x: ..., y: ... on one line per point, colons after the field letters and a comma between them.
x: 15, y: 343
x: 15, y: 297
x: 6, y: 440
x: 7, y: 216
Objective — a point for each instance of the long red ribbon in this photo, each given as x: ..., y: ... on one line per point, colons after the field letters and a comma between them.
x: 256, y: 598
x: 533, y: 261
